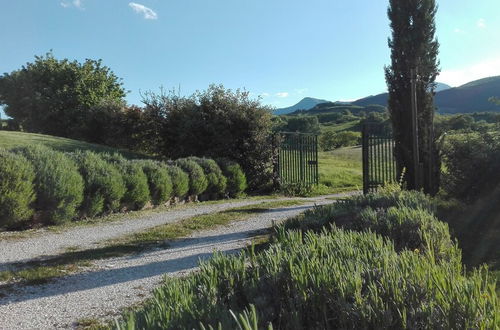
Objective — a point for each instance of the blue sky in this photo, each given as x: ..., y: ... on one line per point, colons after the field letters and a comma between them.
x: 282, y: 50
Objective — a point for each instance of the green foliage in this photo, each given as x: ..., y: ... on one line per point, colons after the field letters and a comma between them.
x: 58, y: 185
x: 330, y: 140
x: 52, y: 96
x: 405, y: 217
x: 198, y: 182
x: 180, y: 181
x: 336, y: 280
x: 472, y: 165
x: 104, y: 185
x: 413, y: 46
x: 302, y: 124
x: 159, y: 181
x: 217, y: 182
x: 215, y: 123
x: 16, y: 189
x: 236, y: 179
x: 136, y: 182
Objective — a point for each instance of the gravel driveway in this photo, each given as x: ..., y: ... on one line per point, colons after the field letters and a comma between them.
x: 111, y: 285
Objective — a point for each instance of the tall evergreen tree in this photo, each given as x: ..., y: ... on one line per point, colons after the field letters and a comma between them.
x: 414, y: 46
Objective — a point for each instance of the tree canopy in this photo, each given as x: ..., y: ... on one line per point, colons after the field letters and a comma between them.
x: 414, y: 46
x: 52, y: 96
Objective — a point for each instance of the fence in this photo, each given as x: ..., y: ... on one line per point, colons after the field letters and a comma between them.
x: 379, y: 164
x: 298, y: 159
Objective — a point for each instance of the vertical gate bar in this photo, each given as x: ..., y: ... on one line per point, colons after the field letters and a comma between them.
x: 364, y: 157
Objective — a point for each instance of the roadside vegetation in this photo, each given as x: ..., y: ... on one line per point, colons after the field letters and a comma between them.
x: 319, y: 273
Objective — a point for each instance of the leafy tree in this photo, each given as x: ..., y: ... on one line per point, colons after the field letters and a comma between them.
x: 303, y: 124
x: 52, y: 96
x: 413, y: 45
x: 214, y: 123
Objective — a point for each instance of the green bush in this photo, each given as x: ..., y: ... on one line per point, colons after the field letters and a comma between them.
x: 136, y: 182
x: 198, y: 182
x: 159, y: 181
x: 333, y: 280
x: 16, y: 189
x: 236, y: 179
x: 472, y: 164
x: 217, y: 182
x: 330, y: 140
x: 406, y: 217
x: 59, y: 186
x: 104, y: 185
x: 180, y: 181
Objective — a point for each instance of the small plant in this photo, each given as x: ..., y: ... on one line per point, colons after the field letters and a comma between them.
x: 16, y: 189
x: 104, y: 185
x: 198, y: 182
x: 58, y: 184
x: 297, y: 189
x: 236, y: 179
x: 136, y: 182
x: 180, y: 181
x: 159, y: 181
x: 217, y: 182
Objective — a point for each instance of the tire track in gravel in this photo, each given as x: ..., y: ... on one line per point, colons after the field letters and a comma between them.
x: 111, y: 285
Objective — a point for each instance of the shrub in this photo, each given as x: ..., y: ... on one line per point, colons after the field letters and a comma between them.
x: 159, y: 181
x: 217, y: 122
x: 136, y: 182
x: 330, y: 140
x: 236, y: 179
x: 217, y: 182
x: 59, y: 186
x: 406, y: 217
x: 334, y: 280
x: 472, y: 164
x: 16, y: 189
x: 180, y: 181
x: 197, y: 180
x: 104, y: 185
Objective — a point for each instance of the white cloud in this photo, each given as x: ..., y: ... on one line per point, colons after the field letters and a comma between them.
x: 481, y: 23
x: 75, y: 3
x: 301, y: 90
x: 460, y: 76
x: 457, y: 30
x: 264, y: 94
x: 147, y: 13
x: 282, y: 94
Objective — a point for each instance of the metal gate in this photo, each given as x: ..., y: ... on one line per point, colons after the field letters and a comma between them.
x: 379, y: 164
x: 298, y: 159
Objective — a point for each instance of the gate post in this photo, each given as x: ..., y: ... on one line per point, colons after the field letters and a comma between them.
x: 365, y: 158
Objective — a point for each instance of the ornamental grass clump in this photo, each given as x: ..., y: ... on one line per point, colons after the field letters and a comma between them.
x: 58, y: 184
x: 159, y: 181
x: 217, y: 182
x: 136, y: 182
x: 236, y: 179
x: 198, y: 182
x: 17, y: 191
x: 104, y: 185
x: 335, y: 279
x: 180, y: 181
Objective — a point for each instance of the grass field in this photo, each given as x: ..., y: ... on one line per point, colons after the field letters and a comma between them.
x: 340, y: 170
x: 348, y: 126
x: 19, y: 139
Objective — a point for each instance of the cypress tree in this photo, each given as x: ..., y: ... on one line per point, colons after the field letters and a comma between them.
x: 414, y: 46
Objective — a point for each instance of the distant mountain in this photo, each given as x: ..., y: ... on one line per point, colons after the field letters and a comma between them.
x: 441, y: 87
x: 471, y: 97
x: 305, y: 104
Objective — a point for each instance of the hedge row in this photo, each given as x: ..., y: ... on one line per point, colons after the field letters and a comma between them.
x: 39, y: 185
x: 382, y: 276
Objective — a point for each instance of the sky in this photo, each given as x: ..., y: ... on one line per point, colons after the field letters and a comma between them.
x: 279, y: 50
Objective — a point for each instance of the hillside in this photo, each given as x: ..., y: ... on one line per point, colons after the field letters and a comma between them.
x: 305, y: 104
x: 19, y: 139
x: 471, y: 97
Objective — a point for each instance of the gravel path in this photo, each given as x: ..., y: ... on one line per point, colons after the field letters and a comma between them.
x: 111, y: 285
x: 46, y: 243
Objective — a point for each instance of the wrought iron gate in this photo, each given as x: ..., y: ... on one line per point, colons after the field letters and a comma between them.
x: 298, y: 159
x: 379, y: 164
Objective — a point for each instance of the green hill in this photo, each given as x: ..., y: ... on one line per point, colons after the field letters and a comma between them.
x: 10, y: 139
